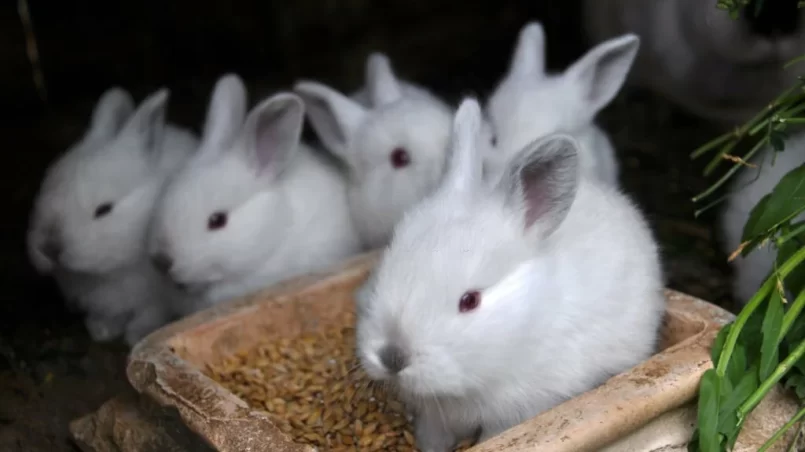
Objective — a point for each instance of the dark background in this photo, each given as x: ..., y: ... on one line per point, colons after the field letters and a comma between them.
x: 50, y: 372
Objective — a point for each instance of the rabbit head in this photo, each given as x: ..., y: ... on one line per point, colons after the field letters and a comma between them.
x: 225, y: 211
x: 449, y: 299
x: 93, y: 207
x: 529, y: 102
x: 394, y: 152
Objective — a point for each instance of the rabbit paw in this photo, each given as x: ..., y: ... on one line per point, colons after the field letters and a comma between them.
x: 143, y: 324
x: 431, y: 434
x: 103, y: 329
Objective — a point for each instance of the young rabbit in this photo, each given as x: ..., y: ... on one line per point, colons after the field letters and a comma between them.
x: 394, y: 152
x: 716, y: 67
x: 749, y: 187
x: 491, y: 305
x: 378, y: 73
x: 254, y: 206
x: 529, y: 103
x: 89, y: 221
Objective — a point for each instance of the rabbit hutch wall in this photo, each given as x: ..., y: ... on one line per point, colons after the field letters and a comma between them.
x: 60, y: 57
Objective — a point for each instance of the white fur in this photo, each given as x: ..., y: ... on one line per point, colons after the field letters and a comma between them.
x: 698, y: 56
x: 363, y: 138
x: 124, y: 158
x: 286, y: 206
x: 553, y: 321
x: 530, y: 103
x: 749, y: 187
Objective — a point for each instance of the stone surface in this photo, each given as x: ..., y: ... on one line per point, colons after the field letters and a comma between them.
x: 131, y: 423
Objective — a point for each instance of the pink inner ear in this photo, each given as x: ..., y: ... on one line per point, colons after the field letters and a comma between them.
x: 271, y: 136
x: 536, y: 185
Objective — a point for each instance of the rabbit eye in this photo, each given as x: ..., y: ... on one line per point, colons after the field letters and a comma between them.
x: 494, y: 140
x: 400, y: 158
x: 469, y: 301
x: 216, y: 221
x: 103, y: 210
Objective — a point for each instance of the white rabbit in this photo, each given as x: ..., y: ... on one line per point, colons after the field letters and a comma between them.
x: 90, y: 219
x: 749, y: 186
x: 394, y: 152
x: 254, y: 206
x: 719, y: 68
x: 529, y: 103
x: 378, y: 70
x: 491, y: 305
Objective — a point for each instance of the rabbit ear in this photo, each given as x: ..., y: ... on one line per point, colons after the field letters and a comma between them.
x: 110, y: 114
x: 600, y: 73
x: 540, y: 183
x: 384, y: 88
x: 529, y: 55
x: 272, y: 133
x: 334, y: 116
x: 465, y: 170
x: 147, y: 124
x: 226, y: 113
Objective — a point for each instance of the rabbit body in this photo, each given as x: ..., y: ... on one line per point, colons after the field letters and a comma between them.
x: 750, y: 271
x: 695, y: 54
x: 529, y: 103
x: 255, y: 205
x: 491, y: 305
x: 90, y: 219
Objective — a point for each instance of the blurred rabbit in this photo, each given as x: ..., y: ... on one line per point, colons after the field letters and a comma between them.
x: 749, y: 187
x: 695, y: 54
x: 90, y: 218
x: 254, y: 206
x: 530, y: 103
x: 394, y: 151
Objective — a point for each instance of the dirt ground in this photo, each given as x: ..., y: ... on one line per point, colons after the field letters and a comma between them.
x: 51, y: 373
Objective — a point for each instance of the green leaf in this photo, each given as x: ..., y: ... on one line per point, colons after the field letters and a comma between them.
x: 718, y: 344
x: 772, y: 326
x: 785, y: 202
x: 754, y: 218
x: 728, y: 412
x: 736, y: 368
x: 709, y: 439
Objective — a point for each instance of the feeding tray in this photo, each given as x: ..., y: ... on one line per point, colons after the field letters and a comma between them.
x: 199, y: 364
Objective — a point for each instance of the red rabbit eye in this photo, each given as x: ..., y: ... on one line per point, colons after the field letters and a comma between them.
x: 469, y: 301
x: 400, y: 158
x: 216, y: 221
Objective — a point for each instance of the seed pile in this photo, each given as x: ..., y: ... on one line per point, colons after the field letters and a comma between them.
x: 314, y: 390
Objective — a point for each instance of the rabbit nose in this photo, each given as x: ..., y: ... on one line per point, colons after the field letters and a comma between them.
x: 162, y: 262
x: 52, y: 249
x: 394, y: 358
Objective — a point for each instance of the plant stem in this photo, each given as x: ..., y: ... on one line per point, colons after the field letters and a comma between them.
x: 711, y: 144
x: 754, y: 399
x: 732, y: 171
x: 780, y: 432
x: 790, y: 235
x: 732, y: 338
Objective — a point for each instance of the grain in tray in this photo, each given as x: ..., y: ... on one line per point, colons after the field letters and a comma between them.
x: 313, y: 389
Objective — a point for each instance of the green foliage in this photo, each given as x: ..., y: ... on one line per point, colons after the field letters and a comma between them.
x: 765, y: 344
